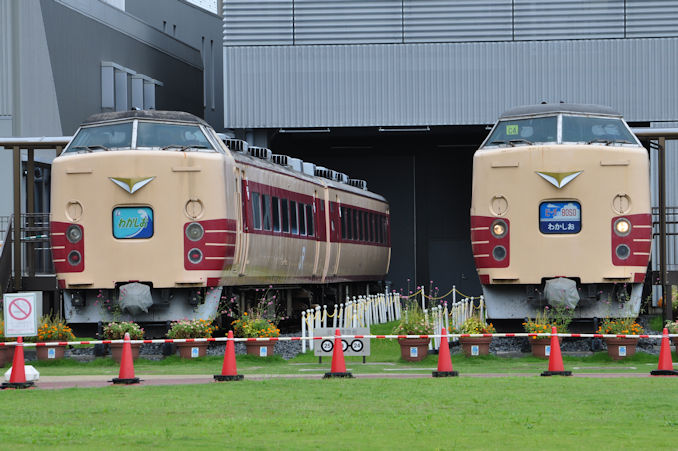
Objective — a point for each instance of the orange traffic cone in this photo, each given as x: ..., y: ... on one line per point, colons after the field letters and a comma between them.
x: 17, y: 378
x: 555, y: 359
x: 126, y: 374
x: 665, y: 367
x: 229, y: 372
x: 444, y: 361
x: 338, y: 364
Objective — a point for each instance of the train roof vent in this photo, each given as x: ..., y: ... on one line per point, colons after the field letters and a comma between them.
x: 362, y: 184
x: 260, y: 152
x: 308, y: 168
x: 321, y: 171
x: 236, y: 145
x: 282, y: 160
x: 295, y: 163
x: 341, y: 177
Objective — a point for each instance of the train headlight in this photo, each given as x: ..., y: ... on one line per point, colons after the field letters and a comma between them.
x: 622, y: 227
x: 74, y: 233
x: 74, y: 258
x: 499, y: 253
x: 622, y: 251
x: 194, y: 231
x: 195, y: 256
x: 499, y: 228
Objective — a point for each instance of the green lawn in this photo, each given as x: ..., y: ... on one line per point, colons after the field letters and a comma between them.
x: 452, y: 413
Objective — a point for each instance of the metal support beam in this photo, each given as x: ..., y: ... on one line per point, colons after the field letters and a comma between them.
x: 667, y: 308
x: 17, y: 217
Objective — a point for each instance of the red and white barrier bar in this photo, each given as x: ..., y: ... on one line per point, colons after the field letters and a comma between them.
x: 331, y: 337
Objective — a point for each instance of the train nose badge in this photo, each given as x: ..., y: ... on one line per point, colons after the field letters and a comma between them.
x: 131, y: 184
x: 559, y: 179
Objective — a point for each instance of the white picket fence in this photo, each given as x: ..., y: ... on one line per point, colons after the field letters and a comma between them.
x: 363, y: 311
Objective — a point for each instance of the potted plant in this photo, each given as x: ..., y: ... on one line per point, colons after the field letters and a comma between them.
x: 116, y: 331
x: 473, y: 346
x: 413, y: 322
x: 258, y: 322
x: 558, y: 317
x: 619, y: 347
x: 52, y: 329
x: 672, y: 327
x: 190, y: 329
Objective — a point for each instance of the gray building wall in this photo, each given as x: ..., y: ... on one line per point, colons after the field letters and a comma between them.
x: 199, y: 29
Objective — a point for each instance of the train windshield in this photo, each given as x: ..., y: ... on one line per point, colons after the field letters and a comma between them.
x: 102, y: 137
x: 171, y: 137
x: 514, y: 132
x: 591, y: 130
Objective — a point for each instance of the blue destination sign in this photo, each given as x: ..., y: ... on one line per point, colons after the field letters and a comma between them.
x: 559, y: 217
x: 132, y: 222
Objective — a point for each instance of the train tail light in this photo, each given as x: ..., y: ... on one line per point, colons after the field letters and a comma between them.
x: 195, y: 255
x: 622, y: 251
x: 499, y: 253
x: 74, y: 258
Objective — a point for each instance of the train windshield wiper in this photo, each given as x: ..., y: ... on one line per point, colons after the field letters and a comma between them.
x: 91, y: 148
x: 182, y: 148
x: 607, y: 142
x: 498, y: 142
x: 513, y: 142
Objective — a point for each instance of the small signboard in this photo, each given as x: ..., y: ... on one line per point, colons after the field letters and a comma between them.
x: 351, y: 346
x: 21, y: 311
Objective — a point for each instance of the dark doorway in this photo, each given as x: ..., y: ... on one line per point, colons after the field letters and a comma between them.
x: 426, y: 177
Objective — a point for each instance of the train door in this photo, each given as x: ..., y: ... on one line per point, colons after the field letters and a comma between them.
x: 243, y: 240
x: 319, y: 221
x: 335, y: 236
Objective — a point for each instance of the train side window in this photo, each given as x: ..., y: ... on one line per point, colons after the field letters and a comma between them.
x: 349, y: 224
x: 370, y: 224
x: 293, y: 218
x: 266, y: 204
x: 276, y: 214
x: 360, y: 226
x: 383, y: 229
x: 342, y: 213
x: 256, y: 211
x: 302, y: 220
x: 285, y: 216
x: 366, y: 226
x: 310, y: 231
x: 380, y: 236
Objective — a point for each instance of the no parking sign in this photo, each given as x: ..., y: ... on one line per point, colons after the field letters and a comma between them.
x: 21, y: 314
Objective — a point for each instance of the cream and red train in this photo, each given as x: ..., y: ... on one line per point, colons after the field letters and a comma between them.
x: 560, y: 213
x: 155, y: 218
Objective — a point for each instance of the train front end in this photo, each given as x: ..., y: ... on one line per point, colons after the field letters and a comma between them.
x: 139, y: 225
x: 560, y: 213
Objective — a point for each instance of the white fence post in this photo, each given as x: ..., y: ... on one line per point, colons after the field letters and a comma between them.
x: 309, y: 317
x: 303, y: 332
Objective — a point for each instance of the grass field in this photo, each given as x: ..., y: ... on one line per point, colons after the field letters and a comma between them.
x: 452, y: 413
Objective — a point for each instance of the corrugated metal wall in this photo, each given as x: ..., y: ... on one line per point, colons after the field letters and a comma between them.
x: 5, y: 59
x: 317, y: 22
x: 444, y: 84
x: 671, y: 198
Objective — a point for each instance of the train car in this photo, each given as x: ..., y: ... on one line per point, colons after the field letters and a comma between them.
x: 155, y: 218
x: 560, y: 213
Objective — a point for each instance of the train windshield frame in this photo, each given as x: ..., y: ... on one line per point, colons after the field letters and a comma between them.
x: 561, y: 129
x: 141, y: 135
